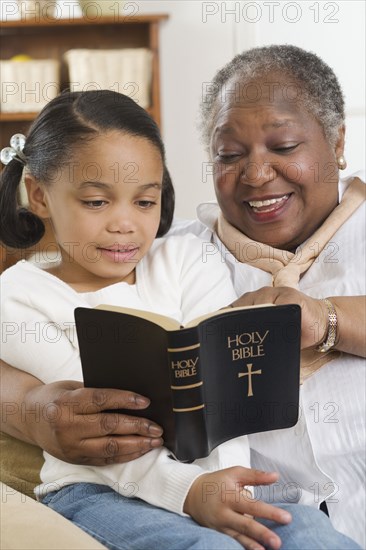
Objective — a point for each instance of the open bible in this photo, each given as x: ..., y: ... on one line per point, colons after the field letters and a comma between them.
x: 226, y: 374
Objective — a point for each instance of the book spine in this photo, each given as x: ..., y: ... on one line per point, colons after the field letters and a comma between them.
x: 187, y: 394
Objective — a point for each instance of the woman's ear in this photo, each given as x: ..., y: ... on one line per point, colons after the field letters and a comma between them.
x: 36, y: 197
x: 339, y: 147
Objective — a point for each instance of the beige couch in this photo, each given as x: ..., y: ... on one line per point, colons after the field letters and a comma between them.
x: 25, y: 523
x: 29, y: 525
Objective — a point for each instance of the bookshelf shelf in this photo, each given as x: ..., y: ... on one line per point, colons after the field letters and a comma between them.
x: 12, y: 117
x: 82, y: 21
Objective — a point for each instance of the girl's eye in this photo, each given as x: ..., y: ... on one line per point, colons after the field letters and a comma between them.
x: 94, y: 204
x: 145, y: 204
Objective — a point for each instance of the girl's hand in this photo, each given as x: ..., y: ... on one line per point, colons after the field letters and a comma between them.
x: 219, y: 500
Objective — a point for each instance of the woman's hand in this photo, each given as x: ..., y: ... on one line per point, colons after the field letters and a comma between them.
x: 314, y: 317
x: 74, y: 428
x: 219, y: 500
x: 67, y: 420
x: 351, y: 313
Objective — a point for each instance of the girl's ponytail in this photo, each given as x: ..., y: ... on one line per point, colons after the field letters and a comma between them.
x: 19, y: 228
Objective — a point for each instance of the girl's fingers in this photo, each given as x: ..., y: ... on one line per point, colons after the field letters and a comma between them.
x: 260, y: 509
x: 252, y: 534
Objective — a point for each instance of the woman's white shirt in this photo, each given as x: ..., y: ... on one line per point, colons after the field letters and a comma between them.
x: 323, y: 456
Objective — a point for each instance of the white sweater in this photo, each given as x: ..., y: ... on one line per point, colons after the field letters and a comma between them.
x: 37, y: 313
x: 323, y: 456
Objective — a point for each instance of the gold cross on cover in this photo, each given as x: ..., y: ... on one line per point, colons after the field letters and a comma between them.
x: 249, y: 374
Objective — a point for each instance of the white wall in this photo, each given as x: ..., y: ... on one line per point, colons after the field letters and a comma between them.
x: 201, y: 36
x: 191, y: 52
x: 336, y: 32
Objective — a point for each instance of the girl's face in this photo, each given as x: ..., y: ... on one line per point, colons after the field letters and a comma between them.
x: 275, y: 173
x: 105, y: 209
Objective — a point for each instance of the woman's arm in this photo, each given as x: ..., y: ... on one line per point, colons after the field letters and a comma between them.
x: 67, y: 420
x: 351, y: 330
x: 351, y: 313
x: 15, y: 384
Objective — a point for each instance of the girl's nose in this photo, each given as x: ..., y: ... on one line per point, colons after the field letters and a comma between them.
x: 121, y: 220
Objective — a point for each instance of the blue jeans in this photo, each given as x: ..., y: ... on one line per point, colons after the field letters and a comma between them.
x: 130, y: 524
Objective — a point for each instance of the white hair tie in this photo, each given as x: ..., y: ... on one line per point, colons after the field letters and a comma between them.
x: 15, y: 151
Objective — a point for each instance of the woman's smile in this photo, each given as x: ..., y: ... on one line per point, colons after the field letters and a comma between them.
x: 267, y: 205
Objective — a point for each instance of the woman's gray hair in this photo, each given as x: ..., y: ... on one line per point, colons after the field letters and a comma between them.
x: 320, y: 92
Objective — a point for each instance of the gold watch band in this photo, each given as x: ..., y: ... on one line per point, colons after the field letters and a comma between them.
x: 331, y: 336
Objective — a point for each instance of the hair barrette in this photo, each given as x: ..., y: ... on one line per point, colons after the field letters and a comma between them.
x: 15, y: 151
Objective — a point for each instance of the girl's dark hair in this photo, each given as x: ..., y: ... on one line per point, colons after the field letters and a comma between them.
x: 68, y: 121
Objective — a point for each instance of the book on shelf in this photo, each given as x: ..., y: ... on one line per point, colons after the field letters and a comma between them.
x: 226, y: 374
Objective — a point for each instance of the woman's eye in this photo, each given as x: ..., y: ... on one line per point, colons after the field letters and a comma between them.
x: 221, y: 157
x: 94, y: 204
x: 285, y: 149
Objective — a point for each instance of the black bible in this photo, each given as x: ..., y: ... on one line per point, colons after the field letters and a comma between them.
x: 226, y: 374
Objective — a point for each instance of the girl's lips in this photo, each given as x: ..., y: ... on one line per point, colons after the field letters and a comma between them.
x: 119, y: 255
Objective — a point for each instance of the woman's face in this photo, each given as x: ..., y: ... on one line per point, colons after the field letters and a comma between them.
x: 275, y: 173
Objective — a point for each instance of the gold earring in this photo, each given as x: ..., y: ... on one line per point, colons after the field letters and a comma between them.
x: 342, y: 163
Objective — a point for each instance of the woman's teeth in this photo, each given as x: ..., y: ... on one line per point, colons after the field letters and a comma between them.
x: 268, y: 202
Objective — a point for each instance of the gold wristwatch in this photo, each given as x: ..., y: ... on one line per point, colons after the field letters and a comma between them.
x: 331, y: 336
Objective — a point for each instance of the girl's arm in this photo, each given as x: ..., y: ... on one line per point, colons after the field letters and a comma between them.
x: 39, y: 346
x: 215, y: 498
x: 351, y: 313
x: 35, y: 341
x: 70, y: 434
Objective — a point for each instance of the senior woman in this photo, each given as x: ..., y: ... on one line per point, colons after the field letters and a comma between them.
x: 276, y: 138
x: 273, y: 124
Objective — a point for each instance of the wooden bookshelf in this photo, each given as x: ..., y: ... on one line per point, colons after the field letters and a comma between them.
x: 51, y: 38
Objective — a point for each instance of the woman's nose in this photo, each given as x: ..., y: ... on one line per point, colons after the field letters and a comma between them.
x: 257, y: 170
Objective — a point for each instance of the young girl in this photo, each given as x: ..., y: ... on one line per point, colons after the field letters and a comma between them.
x: 94, y: 166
